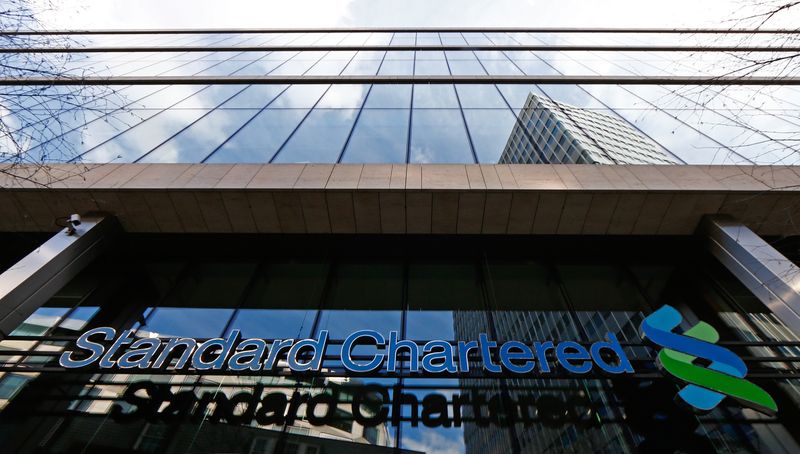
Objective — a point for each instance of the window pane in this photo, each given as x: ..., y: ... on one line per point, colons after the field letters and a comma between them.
x: 397, y: 68
x: 283, y: 300
x: 434, y: 96
x: 438, y: 135
x: 367, y: 294
x: 431, y: 68
x: 435, y: 289
x: 344, y: 96
x: 380, y: 136
x: 480, y: 96
x: 135, y: 142
x: 389, y: 96
x: 258, y: 141
x: 201, y: 302
x: 197, y: 141
x: 466, y: 68
x: 362, y: 68
x: 297, y: 96
x: 489, y: 130
x: 320, y: 138
x: 209, y: 98
x: 255, y: 96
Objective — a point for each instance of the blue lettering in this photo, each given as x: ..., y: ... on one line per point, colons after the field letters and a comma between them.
x: 579, y: 353
x: 524, y: 353
x: 84, y: 343
x: 351, y: 341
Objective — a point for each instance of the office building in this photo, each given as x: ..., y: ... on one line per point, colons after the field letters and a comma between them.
x: 397, y: 240
x: 552, y: 132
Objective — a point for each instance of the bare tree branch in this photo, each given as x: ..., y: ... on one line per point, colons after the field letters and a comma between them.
x: 34, y: 120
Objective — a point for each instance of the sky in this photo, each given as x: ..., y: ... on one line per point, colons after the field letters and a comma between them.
x: 93, y: 14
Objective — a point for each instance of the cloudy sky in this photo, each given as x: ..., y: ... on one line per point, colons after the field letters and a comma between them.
x: 89, y: 14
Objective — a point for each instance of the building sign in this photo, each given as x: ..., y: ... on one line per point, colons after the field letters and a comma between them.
x: 369, y: 405
x: 368, y: 351
x: 435, y: 357
x: 705, y: 386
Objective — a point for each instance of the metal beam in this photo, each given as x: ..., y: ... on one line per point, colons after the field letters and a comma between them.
x: 541, y: 79
x: 445, y: 47
x: 773, y: 279
x: 179, y: 31
x: 32, y: 281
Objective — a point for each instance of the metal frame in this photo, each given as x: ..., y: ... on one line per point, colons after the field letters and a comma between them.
x: 32, y: 281
x: 385, y: 47
x: 773, y: 279
x: 541, y: 79
x: 169, y: 31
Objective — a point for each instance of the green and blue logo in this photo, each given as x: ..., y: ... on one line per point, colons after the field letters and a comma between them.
x: 707, y: 386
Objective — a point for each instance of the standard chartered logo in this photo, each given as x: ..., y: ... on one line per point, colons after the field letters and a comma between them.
x: 706, y: 386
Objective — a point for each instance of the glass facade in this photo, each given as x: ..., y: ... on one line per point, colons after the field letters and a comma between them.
x: 336, y: 121
x: 383, y: 97
x: 448, y: 288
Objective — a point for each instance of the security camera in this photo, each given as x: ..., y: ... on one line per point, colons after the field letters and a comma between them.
x: 73, y: 221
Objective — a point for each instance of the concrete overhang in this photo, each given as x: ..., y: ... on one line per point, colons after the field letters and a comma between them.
x: 400, y: 198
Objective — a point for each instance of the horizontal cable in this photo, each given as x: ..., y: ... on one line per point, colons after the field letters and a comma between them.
x: 169, y: 31
x: 459, y: 47
x: 543, y: 79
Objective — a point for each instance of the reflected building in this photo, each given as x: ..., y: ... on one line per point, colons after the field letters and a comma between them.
x: 551, y: 132
x: 584, y: 398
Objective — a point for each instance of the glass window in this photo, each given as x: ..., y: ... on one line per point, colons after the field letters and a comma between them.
x: 201, y: 302
x: 344, y: 96
x: 431, y: 68
x: 89, y: 135
x: 209, y: 98
x: 466, y: 68
x: 327, y: 68
x: 293, y: 67
x: 188, y: 69
x: 380, y: 136
x: 529, y: 302
x: 501, y: 68
x: 362, y: 68
x: 196, y: 142
x: 283, y: 300
x: 438, y: 136
x: 397, y: 68
x: 452, y: 39
x: 389, y: 96
x: 259, y: 68
x: 224, y: 69
x: 489, y: 130
x: 434, y: 96
x: 320, y: 138
x: 517, y: 95
x: 259, y: 139
x: 480, y: 96
x: 299, y: 96
x: 135, y: 142
x: 621, y: 297
x: 255, y: 97
x: 535, y: 67
x: 365, y: 293
x: 11, y: 384
x: 444, y: 300
x: 170, y: 95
